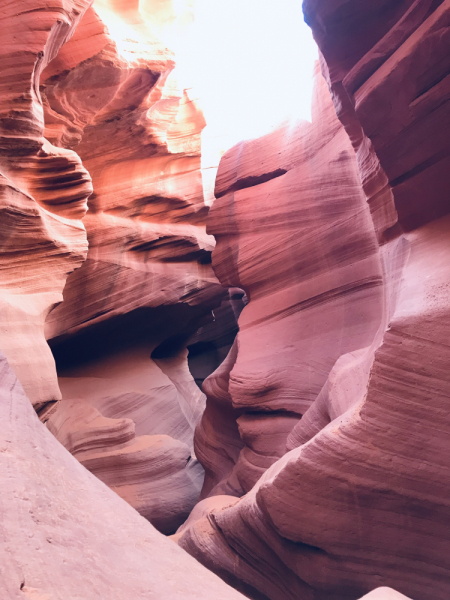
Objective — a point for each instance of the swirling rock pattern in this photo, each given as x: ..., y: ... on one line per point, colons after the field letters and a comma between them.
x: 92, y: 112
x: 147, y: 283
x: 399, y: 138
x: 358, y: 500
x: 325, y: 278
x: 140, y: 141
x: 43, y: 193
x: 149, y: 469
x: 325, y: 438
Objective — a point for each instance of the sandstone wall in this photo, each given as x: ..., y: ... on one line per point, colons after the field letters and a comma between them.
x: 147, y: 283
x: 97, y: 112
x: 301, y: 244
x: 43, y: 193
x: 325, y: 433
x: 357, y: 499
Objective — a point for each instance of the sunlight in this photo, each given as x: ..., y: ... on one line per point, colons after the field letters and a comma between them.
x: 250, y: 64
x: 249, y: 61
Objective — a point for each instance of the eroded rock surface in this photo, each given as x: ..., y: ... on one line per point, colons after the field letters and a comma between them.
x: 43, y: 192
x: 358, y: 498
x: 98, y: 86
x: 387, y: 64
x: 325, y: 437
x: 299, y: 239
x: 67, y: 535
x: 147, y: 283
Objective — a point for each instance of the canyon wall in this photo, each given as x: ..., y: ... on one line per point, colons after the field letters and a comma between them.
x: 147, y: 283
x: 96, y: 113
x: 299, y: 239
x: 64, y: 533
x: 324, y: 438
x: 44, y: 190
x: 335, y: 396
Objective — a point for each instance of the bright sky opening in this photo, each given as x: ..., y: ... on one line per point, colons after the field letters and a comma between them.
x: 249, y: 62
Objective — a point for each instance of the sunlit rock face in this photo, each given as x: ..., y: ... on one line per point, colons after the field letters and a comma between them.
x: 357, y: 497
x: 147, y: 283
x: 325, y: 437
x: 299, y: 239
x: 96, y: 113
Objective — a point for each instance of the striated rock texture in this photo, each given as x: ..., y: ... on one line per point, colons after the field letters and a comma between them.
x: 147, y: 284
x: 325, y: 438
x: 387, y: 65
x: 95, y: 109
x: 357, y: 497
x: 43, y: 192
x: 279, y: 211
x: 64, y: 534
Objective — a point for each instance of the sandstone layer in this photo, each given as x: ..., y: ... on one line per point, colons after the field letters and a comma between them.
x: 325, y: 436
x: 279, y: 211
x: 64, y: 534
x: 43, y: 192
x: 147, y: 282
x: 354, y: 421
x: 387, y: 65
x: 97, y: 112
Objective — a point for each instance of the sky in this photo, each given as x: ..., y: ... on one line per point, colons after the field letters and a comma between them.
x: 249, y: 62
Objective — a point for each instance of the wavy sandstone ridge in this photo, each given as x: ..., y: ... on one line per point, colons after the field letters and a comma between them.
x: 147, y: 283
x: 43, y: 193
x: 356, y: 494
x: 310, y: 228
x: 325, y: 434
x: 66, y: 535
x: 101, y: 86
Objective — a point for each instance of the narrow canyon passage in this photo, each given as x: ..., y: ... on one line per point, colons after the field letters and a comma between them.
x: 224, y: 328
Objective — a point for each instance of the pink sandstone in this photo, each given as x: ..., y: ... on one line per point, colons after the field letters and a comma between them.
x: 67, y: 535
x: 146, y: 284
x: 325, y: 433
x: 326, y: 271
x: 356, y: 495
x: 43, y: 192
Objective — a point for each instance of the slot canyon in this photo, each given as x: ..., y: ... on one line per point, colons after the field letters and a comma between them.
x: 224, y: 353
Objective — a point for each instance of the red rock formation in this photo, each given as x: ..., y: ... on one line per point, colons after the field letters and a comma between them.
x: 359, y: 500
x: 330, y: 412
x: 310, y: 228
x: 389, y: 78
x: 147, y: 283
x: 43, y: 192
x: 140, y: 140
